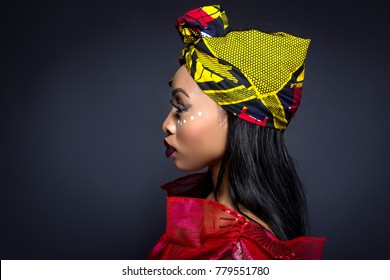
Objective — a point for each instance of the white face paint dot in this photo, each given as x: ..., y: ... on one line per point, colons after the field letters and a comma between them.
x: 185, y: 121
x: 199, y: 114
x: 192, y: 118
x: 178, y: 121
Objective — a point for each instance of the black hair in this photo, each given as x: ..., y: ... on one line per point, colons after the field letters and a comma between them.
x: 262, y: 178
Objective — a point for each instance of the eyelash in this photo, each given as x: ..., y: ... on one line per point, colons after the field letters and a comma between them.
x: 180, y: 108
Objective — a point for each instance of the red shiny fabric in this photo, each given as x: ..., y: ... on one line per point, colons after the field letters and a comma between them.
x: 204, y: 229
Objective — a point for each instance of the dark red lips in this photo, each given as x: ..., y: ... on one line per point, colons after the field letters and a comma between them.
x: 170, y: 150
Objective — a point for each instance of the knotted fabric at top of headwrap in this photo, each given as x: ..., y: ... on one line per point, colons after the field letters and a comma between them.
x: 255, y: 75
x: 209, y: 21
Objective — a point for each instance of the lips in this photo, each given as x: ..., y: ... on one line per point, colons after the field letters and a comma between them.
x: 170, y: 150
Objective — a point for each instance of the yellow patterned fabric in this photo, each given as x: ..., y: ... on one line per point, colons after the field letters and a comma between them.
x: 255, y: 75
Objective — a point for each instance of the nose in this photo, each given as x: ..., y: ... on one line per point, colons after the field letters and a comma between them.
x: 169, y: 124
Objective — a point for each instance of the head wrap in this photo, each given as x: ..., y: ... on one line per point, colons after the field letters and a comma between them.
x: 257, y: 76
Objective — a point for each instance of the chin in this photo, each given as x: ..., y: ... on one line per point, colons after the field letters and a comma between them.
x: 189, y: 167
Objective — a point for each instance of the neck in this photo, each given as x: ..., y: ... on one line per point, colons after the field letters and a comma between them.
x: 224, y: 194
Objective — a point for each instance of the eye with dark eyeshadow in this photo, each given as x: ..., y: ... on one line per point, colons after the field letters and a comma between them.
x: 180, y: 108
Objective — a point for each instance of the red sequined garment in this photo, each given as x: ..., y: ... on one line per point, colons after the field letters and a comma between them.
x: 204, y: 229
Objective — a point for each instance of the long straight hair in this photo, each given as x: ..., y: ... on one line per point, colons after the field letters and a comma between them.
x: 262, y: 178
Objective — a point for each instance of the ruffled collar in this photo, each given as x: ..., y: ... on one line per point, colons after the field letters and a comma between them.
x: 192, y: 220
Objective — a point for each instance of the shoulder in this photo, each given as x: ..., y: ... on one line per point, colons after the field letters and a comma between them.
x: 261, y: 243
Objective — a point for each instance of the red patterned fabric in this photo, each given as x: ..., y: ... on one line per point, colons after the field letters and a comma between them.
x: 204, y: 229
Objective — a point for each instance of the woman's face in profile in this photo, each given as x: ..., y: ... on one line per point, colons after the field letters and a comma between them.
x: 196, y: 126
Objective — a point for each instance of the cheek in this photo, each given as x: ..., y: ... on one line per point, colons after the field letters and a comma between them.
x: 191, y: 129
x: 201, y: 138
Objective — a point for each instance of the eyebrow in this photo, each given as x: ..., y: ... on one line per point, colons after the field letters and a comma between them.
x: 177, y: 90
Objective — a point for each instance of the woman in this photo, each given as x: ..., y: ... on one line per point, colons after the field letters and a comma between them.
x: 232, y: 99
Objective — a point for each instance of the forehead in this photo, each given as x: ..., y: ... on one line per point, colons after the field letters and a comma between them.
x: 182, y: 77
x: 183, y: 82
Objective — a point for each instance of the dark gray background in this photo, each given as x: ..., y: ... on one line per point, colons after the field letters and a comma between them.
x: 84, y: 92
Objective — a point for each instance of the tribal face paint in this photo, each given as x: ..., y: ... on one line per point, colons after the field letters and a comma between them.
x: 192, y: 118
